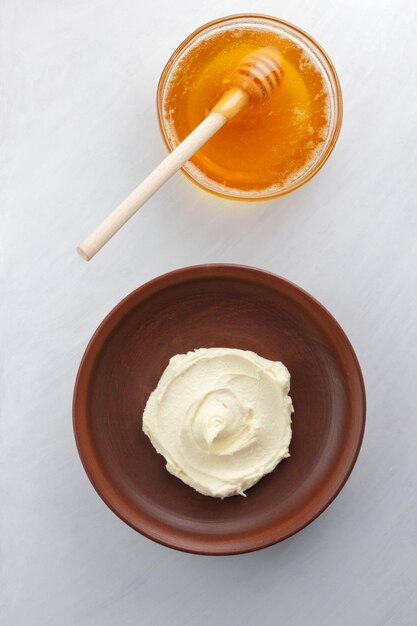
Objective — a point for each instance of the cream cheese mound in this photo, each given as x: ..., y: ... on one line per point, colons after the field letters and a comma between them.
x: 221, y: 418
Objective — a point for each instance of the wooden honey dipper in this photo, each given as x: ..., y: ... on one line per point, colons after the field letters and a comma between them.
x: 253, y: 80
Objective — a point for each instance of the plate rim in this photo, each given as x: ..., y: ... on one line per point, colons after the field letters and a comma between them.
x: 85, y: 449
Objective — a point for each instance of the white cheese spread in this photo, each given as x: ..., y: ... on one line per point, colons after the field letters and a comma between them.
x: 221, y: 418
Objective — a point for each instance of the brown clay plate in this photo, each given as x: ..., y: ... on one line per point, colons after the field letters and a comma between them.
x: 218, y: 306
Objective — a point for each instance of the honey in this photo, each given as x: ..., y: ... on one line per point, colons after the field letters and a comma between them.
x: 270, y: 146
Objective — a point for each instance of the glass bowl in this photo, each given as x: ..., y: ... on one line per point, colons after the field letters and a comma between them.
x: 316, y: 54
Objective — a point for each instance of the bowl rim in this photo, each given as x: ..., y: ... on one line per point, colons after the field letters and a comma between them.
x: 338, y: 98
x: 85, y: 446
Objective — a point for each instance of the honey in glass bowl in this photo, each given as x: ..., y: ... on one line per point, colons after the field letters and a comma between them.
x: 273, y: 146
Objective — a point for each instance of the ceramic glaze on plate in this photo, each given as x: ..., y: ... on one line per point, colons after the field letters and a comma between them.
x: 212, y: 306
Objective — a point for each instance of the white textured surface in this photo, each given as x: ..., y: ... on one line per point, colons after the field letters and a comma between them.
x: 79, y: 130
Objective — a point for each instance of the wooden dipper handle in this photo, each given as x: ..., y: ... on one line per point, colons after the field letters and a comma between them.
x: 255, y: 78
x: 163, y: 172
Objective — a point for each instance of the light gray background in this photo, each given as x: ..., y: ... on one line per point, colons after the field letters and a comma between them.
x: 79, y: 130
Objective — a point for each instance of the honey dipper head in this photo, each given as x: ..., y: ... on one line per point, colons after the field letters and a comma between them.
x: 258, y: 73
